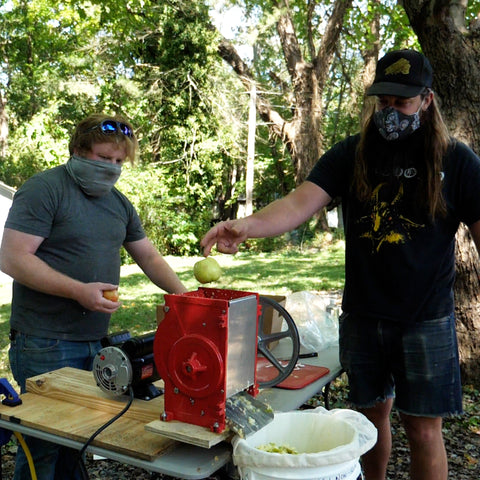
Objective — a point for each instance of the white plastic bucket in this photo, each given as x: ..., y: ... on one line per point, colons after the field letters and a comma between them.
x: 329, y: 445
x: 345, y: 471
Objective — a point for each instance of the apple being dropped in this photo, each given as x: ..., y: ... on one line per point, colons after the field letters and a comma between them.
x: 111, y: 295
x: 207, y: 270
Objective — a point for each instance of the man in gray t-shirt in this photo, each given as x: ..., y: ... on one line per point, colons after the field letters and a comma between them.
x: 61, y: 245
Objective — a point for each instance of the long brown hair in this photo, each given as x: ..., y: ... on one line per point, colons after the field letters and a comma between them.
x: 437, y: 142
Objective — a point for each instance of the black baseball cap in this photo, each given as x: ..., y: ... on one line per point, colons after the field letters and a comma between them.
x: 402, y: 73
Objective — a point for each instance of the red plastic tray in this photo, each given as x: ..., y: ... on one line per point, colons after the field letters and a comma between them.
x: 301, y: 376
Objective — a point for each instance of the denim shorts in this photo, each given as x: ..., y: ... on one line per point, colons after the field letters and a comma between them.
x: 417, y: 364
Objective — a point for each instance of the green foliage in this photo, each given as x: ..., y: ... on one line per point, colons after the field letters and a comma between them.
x: 166, y: 218
x: 343, y: 95
x: 274, y: 174
x: 345, y: 89
x: 154, y: 62
x: 305, y: 237
x: 34, y: 146
x: 343, y: 99
x: 396, y: 31
x: 43, y: 43
x: 473, y: 7
x: 189, y: 141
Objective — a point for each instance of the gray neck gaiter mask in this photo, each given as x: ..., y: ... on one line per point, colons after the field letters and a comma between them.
x: 94, y: 177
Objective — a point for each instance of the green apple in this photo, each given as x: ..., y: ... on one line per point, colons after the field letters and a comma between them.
x: 207, y: 270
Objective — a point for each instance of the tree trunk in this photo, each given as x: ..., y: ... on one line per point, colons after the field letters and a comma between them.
x: 302, y: 134
x: 467, y: 298
x: 305, y: 138
x: 370, y: 57
x: 454, y: 51
x: 250, y: 168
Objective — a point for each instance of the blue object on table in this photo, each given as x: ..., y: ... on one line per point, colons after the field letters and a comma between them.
x: 12, y: 399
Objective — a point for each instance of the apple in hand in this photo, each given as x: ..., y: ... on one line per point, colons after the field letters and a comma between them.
x: 207, y: 270
x: 111, y: 295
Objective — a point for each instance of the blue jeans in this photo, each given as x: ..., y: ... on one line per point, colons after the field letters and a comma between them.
x: 30, y: 356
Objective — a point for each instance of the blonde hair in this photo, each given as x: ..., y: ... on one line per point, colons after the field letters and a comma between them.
x: 87, y: 134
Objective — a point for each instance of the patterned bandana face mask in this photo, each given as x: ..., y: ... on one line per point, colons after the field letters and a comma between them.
x: 395, y: 125
x: 94, y: 177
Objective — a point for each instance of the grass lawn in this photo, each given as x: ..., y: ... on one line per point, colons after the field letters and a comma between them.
x: 265, y: 273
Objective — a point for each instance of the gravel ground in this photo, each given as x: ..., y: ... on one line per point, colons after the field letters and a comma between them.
x: 462, y: 438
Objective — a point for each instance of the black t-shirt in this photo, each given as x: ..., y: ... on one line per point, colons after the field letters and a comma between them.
x: 400, y: 265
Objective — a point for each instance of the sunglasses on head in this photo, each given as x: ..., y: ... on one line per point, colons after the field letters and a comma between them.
x: 112, y: 127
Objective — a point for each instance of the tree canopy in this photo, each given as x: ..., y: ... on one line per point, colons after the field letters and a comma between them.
x: 154, y: 62
x: 185, y: 87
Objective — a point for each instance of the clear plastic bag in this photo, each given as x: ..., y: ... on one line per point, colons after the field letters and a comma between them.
x: 316, y: 318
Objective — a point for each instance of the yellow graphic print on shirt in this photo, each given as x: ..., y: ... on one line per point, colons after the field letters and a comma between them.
x: 386, y: 224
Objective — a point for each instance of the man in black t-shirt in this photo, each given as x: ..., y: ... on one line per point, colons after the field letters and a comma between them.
x: 405, y: 186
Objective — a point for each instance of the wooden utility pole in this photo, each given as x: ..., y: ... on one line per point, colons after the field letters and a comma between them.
x: 252, y: 127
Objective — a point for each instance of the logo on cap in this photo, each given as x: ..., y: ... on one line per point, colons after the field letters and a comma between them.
x: 400, y: 66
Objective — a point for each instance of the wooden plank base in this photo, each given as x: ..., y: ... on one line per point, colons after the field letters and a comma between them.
x: 78, y: 423
x: 67, y: 402
x: 184, y: 432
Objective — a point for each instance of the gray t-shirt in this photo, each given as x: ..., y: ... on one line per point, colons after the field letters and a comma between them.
x: 83, y: 236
